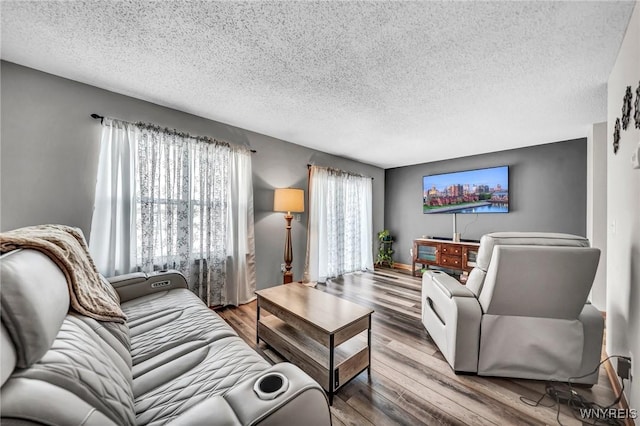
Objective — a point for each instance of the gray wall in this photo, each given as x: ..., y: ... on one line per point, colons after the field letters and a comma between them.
x: 623, y: 219
x: 50, y: 152
x: 547, y: 193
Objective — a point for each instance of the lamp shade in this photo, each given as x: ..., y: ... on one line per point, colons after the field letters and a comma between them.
x: 288, y: 200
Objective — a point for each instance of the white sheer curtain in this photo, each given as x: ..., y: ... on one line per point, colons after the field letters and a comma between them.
x: 192, y: 210
x: 340, y: 224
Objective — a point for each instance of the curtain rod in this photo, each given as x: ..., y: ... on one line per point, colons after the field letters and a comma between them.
x: 341, y: 171
x: 102, y: 117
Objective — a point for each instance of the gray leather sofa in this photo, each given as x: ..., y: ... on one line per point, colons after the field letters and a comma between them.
x: 523, y: 312
x: 173, y: 361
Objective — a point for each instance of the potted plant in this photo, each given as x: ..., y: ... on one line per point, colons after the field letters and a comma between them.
x: 384, y: 249
x: 384, y: 235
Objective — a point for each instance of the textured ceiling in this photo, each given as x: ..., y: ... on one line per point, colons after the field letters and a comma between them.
x: 387, y: 83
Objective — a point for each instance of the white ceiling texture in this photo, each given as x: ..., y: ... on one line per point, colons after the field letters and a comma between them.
x: 387, y: 83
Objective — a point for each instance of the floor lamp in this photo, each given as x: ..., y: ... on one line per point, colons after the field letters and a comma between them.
x: 290, y: 200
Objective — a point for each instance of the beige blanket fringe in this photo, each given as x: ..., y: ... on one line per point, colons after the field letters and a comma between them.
x: 90, y: 295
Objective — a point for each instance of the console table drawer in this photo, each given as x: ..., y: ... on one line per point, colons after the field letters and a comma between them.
x: 451, y: 249
x: 453, y: 261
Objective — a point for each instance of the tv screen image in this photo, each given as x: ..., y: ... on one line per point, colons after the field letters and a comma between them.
x: 470, y: 191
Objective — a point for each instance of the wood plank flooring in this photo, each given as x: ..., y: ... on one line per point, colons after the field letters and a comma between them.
x: 411, y: 383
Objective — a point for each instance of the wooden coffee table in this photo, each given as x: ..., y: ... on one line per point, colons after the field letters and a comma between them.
x: 315, y: 330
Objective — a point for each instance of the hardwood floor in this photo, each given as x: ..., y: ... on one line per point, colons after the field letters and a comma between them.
x: 410, y: 382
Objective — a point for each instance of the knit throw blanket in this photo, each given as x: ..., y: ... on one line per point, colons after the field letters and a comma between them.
x: 90, y: 295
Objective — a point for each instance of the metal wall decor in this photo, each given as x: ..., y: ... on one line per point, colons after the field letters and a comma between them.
x: 616, y: 136
x: 626, y: 108
x: 636, y: 106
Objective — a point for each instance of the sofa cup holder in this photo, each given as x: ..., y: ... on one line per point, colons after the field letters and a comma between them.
x: 271, y: 385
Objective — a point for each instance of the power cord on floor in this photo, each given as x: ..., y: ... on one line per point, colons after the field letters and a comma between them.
x: 563, y: 393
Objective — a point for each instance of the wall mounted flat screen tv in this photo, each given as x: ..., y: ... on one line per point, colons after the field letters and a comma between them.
x: 471, y: 191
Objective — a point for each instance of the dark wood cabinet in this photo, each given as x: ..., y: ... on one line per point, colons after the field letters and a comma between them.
x: 456, y: 256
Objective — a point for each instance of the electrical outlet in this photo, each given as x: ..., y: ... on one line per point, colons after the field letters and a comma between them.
x: 283, y: 267
x: 624, y: 366
x: 635, y: 157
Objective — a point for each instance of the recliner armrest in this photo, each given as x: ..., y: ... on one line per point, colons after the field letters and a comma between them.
x: 137, y: 284
x: 452, y: 316
x: 449, y: 285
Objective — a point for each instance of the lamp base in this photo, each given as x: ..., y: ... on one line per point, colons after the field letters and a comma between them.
x: 288, y: 252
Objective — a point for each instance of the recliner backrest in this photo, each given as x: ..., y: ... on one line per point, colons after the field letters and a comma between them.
x: 478, y: 275
x: 539, y: 281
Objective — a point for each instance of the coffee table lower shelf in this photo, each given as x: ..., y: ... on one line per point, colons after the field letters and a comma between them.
x: 349, y: 358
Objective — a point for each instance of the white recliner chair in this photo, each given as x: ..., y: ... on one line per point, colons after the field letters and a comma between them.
x: 523, y: 312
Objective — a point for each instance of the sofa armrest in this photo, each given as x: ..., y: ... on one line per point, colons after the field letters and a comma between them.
x: 302, y: 402
x: 449, y: 285
x: 138, y: 284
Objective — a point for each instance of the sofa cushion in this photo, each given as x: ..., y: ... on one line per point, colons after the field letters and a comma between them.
x: 163, y: 321
x: 183, y: 353
x: 181, y: 383
x: 35, y: 301
x: 156, y: 304
x: 114, y: 334
x: 83, y: 364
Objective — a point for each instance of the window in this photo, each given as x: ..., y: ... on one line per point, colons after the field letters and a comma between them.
x: 166, y: 199
x: 340, y: 224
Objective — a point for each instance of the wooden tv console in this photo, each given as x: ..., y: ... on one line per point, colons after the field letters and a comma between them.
x: 457, y: 256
